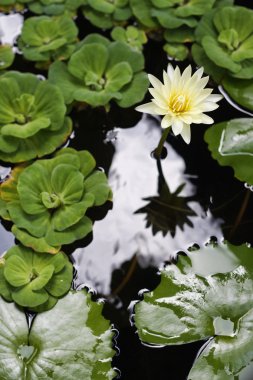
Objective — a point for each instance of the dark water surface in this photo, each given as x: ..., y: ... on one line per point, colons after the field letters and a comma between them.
x: 123, y: 255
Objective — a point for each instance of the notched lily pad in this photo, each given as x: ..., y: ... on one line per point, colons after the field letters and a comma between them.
x: 199, y: 299
x: 76, y: 345
x: 231, y: 144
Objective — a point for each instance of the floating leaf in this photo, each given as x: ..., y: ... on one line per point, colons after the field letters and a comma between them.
x: 196, y: 302
x: 48, y: 199
x: 226, y: 36
x: 231, y: 144
x: 104, y: 14
x: 48, y: 38
x: 32, y: 117
x: 101, y: 71
x: 33, y: 280
x: 241, y: 91
x: 72, y: 339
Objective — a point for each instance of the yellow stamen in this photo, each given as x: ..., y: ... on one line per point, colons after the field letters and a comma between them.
x: 178, y: 103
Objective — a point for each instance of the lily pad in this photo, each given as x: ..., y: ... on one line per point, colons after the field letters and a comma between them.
x: 241, y: 91
x: 231, y: 144
x: 78, y: 346
x: 198, y: 302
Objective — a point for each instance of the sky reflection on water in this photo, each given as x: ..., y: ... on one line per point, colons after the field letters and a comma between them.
x: 133, y: 176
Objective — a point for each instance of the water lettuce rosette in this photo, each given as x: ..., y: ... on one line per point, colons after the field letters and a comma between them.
x: 105, y: 14
x: 48, y: 199
x: 101, y: 71
x: 131, y: 35
x: 32, y: 117
x: 34, y: 280
x: 45, y: 39
x: 7, y: 56
x: 169, y: 14
x: 225, y: 43
x: 55, y: 7
x: 9, y: 5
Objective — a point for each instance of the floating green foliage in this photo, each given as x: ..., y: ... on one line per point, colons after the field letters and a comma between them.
x: 101, y: 71
x: 176, y: 40
x: 241, y: 91
x: 46, y: 39
x: 208, y: 294
x: 7, y: 56
x: 10, y: 5
x: 34, y: 280
x: 169, y: 14
x: 231, y: 144
x: 106, y: 13
x: 225, y: 42
x: 73, y: 340
x: 131, y: 35
x: 32, y: 117
x: 48, y: 199
x: 55, y: 7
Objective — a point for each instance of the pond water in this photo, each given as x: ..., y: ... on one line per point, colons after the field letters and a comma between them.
x: 123, y: 255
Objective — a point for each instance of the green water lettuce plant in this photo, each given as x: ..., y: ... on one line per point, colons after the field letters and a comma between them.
x: 10, y: 5
x: 101, y: 71
x: 45, y: 39
x: 7, y: 56
x: 169, y: 14
x: 33, y: 280
x: 107, y: 13
x: 131, y: 35
x: 55, y: 7
x: 48, y: 199
x: 71, y: 341
x: 224, y: 45
x: 32, y: 117
x: 208, y: 294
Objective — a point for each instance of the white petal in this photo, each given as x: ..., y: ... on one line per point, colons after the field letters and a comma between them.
x: 208, y: 106
x: 199, y: 72
x: 186, y: 133
x: 158, y: 96
x: 166, y: 122
x: 166, y: 80
x: 186, y: 75
x: 206, y: 119
x: 149, y: 108
x: 154, y: 81
x: 170, y: 71
x: 214, y: 98
x: 177, y: 126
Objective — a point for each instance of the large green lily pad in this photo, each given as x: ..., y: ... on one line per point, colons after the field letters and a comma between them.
x: 201, y: 298
x: 72, y: 341
x: 231, y: 144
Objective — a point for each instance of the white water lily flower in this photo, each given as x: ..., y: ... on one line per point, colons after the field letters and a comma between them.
x: 182, y: 99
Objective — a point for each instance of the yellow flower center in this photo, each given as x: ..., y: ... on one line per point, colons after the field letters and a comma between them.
x: 178, y: 103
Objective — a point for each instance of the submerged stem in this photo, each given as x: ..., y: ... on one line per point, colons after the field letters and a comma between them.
x: 241, y: 213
